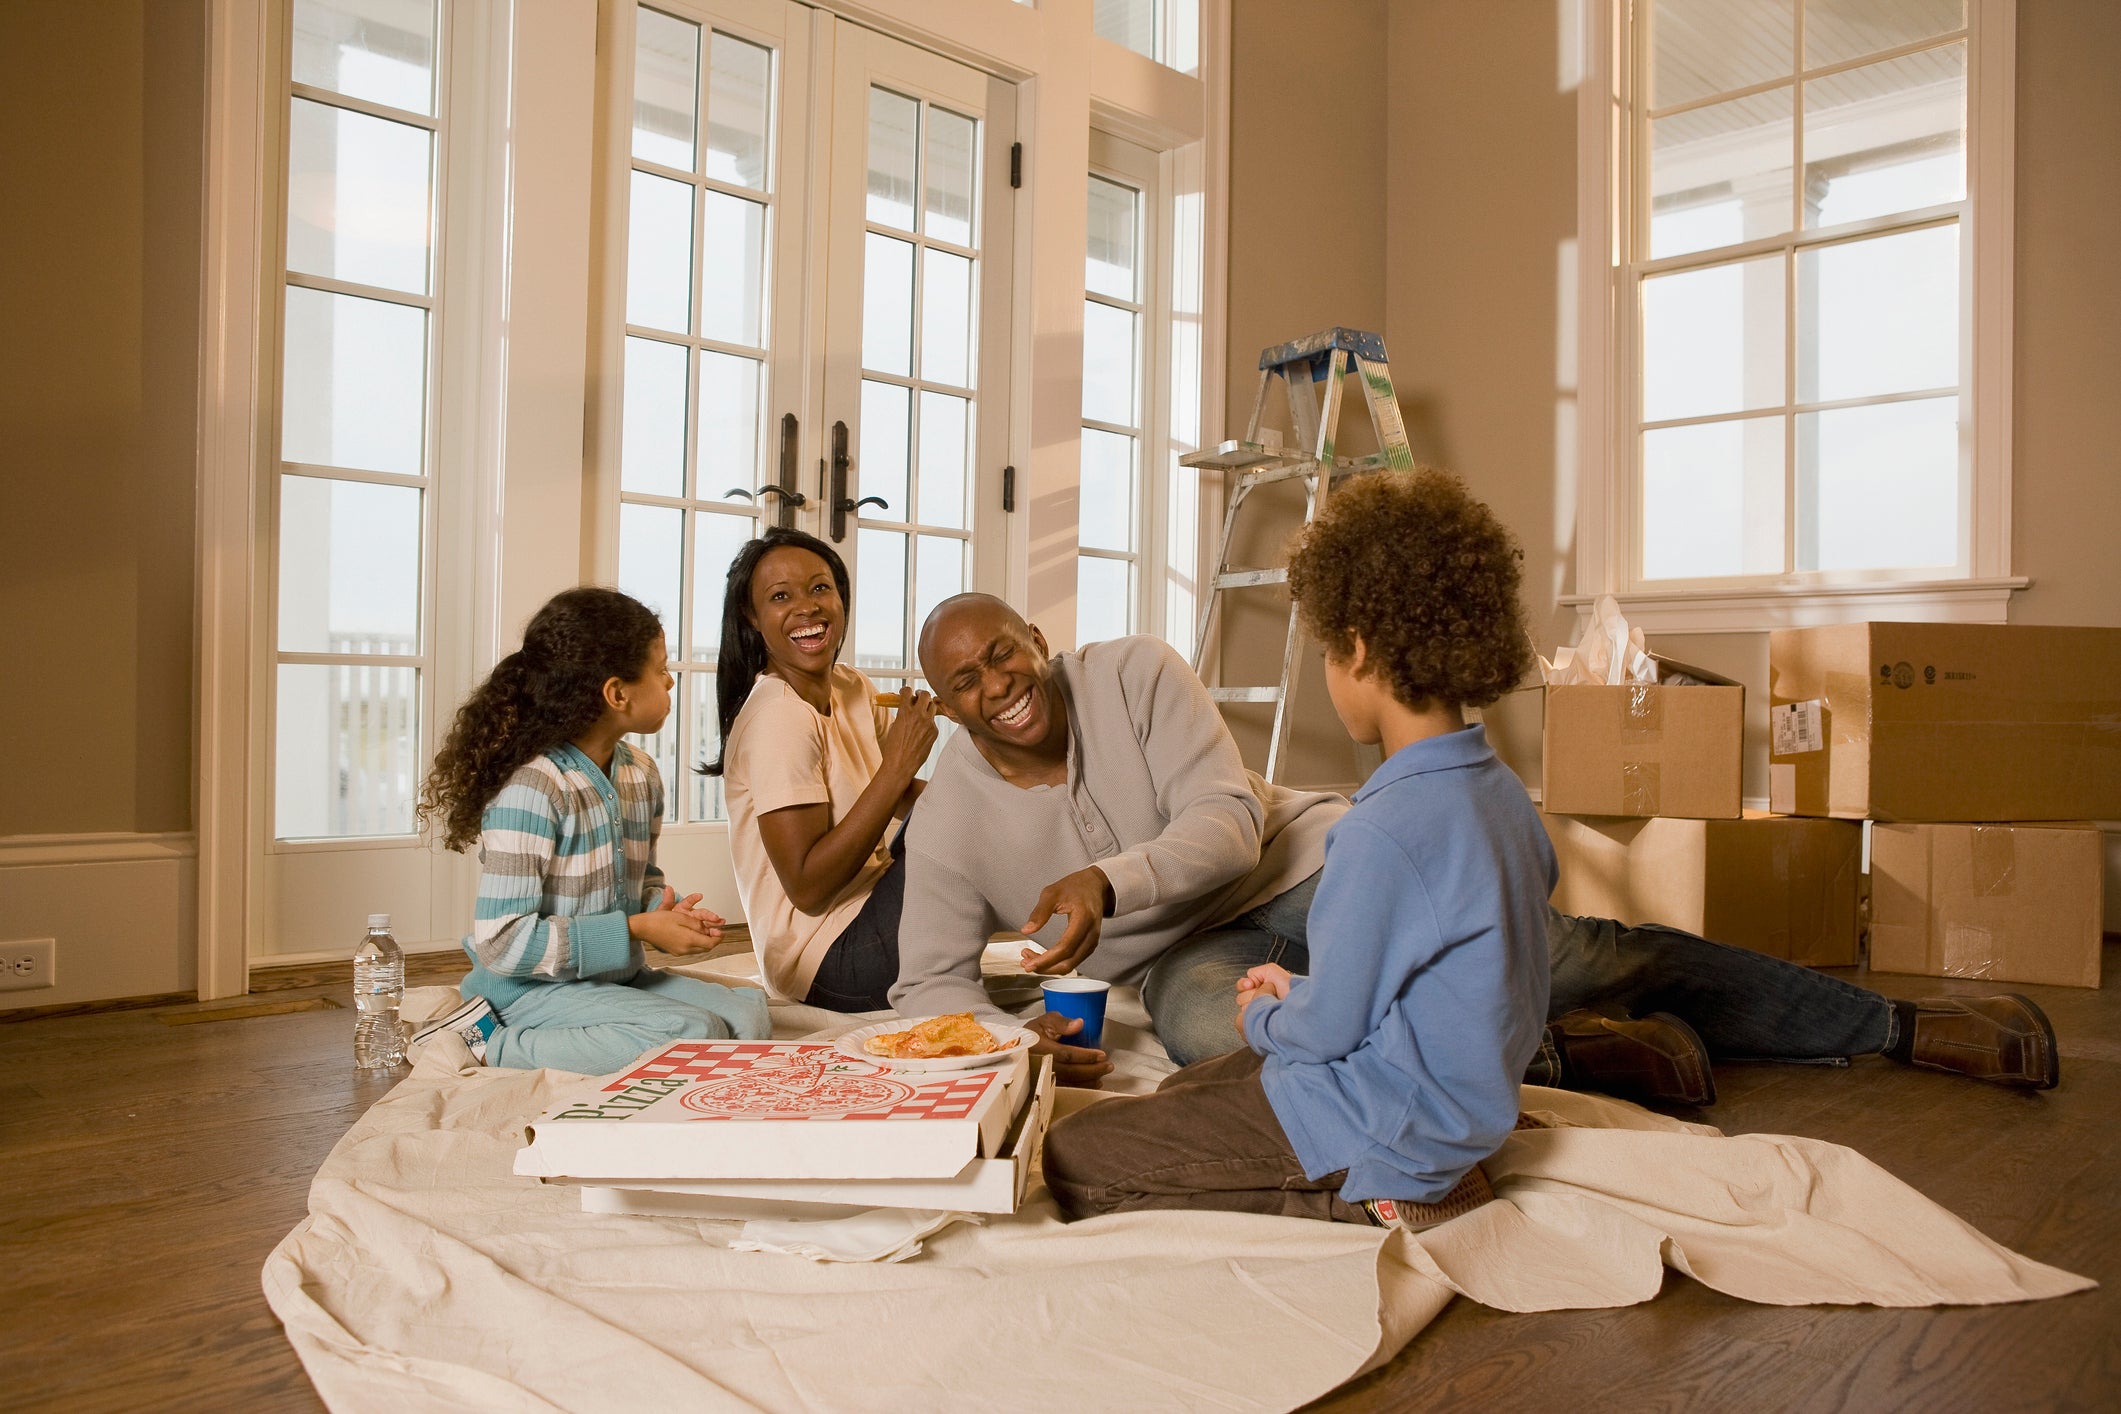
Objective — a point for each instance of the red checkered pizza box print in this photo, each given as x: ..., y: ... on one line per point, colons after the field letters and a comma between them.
x: 811, y: 1068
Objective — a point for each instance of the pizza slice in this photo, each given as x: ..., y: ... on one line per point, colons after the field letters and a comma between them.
x: 939, y: 1036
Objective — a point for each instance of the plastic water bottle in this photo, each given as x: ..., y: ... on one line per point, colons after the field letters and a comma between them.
x: 379, y: 990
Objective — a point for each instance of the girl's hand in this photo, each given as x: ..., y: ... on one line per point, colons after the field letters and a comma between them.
x: 679, y: 929
x: 910, y: 736
x: 690, y: 904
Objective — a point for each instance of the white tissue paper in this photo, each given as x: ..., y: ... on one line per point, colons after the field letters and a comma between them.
x: 1609, y: 651
x: 879, y: 1235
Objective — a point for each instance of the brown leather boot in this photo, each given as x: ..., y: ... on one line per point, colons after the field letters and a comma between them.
x: 1655, y: 1057
x: 2005, y: 1039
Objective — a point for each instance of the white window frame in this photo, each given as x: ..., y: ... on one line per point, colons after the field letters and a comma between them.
x: 1605, y: 375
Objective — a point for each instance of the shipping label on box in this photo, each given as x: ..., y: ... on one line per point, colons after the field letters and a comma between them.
x: 1947, y: 722
x: 1778, y: 885
x: 1644, y: 749
x: 1996, y: 903
x: 774, y: 1109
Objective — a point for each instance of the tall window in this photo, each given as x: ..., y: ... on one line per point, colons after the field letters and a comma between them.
x: 693, y: 449
x: 1108, y: 564
x: 1167, y: 31
x: 355, y: 489
x: 1798, y: 265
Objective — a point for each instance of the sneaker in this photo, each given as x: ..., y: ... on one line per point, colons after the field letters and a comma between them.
x: 474, y: 1022
x: 1471, y: 1192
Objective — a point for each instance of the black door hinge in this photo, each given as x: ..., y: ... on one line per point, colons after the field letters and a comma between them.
x: 1016, y: 164
x: 1008, y: 488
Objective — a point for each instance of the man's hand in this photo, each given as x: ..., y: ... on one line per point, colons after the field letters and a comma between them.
x: 677, y: 926
x: 1267, y: 979
x: 1086, y: 897
x: 1072, y: 1065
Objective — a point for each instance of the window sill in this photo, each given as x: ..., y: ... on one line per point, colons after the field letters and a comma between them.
x: 1759, y: 609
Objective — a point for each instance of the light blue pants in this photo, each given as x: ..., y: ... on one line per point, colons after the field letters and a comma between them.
x: 595, y: 1028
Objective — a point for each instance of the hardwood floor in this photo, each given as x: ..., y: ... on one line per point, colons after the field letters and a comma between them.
x: 148, y: 1169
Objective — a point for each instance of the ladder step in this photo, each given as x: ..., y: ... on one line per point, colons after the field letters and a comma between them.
x: 1245, y: 694
x: 1354, y: 341
x: 1246, y: 579
x: 1234, y: 456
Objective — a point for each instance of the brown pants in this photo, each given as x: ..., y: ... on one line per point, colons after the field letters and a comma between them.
x: 1206, y: 1139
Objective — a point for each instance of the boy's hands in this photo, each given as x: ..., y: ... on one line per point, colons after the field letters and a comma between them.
x: 1267, y: 979
x: 1072, y: 1065
x: 1086, y: 897
x: 677, y: 926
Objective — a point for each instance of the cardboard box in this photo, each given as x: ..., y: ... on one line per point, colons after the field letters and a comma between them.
x: 985, y: 1185
x: 775, y: 1110
x: 1644, y: 751
x: 2000, y: 903
x: 1776, y: 884
x: 1946, y: 722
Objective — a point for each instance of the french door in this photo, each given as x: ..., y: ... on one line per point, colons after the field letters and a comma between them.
x: 815, y: 331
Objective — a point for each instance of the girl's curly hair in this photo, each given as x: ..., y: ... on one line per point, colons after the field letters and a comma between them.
x: 549, y: 691
x: 1427, y: 576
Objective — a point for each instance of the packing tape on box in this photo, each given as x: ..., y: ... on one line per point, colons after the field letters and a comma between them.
x: 1846, y: 720
x: 1642, y: 713
x: 1995, y: 863
x: 1968, y: 951
x: 1641, y: 788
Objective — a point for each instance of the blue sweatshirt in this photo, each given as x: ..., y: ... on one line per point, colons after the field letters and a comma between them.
x: 1399, y: 1057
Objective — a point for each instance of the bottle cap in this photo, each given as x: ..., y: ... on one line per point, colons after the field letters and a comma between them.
x: 378, y: 920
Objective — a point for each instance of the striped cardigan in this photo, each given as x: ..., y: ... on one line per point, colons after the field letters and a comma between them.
x: 566, y: 854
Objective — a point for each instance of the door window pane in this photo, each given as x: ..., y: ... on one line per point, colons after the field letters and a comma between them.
x: 716, y: 540
x: 652, y: 441
x: 880, y: 599
x: 1839, y: 30
x: 739, y: 89
x: 1108, y: 363
x: 1712, y: 499
x: 1107, y: 519
x: 1114, y: 218
x: 939, y: 572
x: 1700, y: 47
x: 887, y: 305
x: 707, y: 802
x: 349, y: 567
x: 732, y: 269
x: 946, y: 318
x: 357, y: 197
x: 346, y: 761
x: 1712, y: 340
x: 659, y: 254
x: 887, y: 432
x: 947, y: 205
x: 666, y: 88
x: 378, y: 50
x: 1104, y: 598
x: 1879, y: 316
x: 894, y: 127
x: 731, y: 390
x: 1881, y: 484
x: 1737, y: 152
x: 944, y: 435
x: 355, y: 386
x: 652, y: 561
x: 1885, y: 138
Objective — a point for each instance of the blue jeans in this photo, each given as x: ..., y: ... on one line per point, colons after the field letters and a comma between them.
x: 1742, y: 1003
x: 1191, y: 991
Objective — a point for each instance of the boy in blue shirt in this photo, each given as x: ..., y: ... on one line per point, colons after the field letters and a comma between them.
x: 1371, y: 1090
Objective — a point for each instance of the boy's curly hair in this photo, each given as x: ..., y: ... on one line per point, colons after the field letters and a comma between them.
x: 1427, y: 576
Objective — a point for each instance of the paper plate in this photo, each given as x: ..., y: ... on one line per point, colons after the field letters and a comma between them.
x: 1013, y: 1039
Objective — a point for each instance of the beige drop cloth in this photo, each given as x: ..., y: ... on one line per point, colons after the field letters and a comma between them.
x: 429, y: 1276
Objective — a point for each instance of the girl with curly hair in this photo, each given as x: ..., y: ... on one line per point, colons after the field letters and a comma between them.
x: 566, y: 815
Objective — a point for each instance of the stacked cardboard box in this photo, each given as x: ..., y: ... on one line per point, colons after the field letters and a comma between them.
x: 1980, y: 753
x: 1641, y: 796
x: 789, y: 1128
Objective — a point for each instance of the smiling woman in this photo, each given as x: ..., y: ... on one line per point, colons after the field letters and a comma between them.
x: 815, y: 769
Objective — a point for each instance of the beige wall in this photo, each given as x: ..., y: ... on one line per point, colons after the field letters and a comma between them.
x: 1479, y: 184
x: 100, y: 102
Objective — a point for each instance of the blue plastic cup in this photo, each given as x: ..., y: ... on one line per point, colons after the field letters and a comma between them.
x: 1083, y: 998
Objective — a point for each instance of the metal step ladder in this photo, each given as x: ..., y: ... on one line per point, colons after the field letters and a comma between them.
x: 1260, y: 459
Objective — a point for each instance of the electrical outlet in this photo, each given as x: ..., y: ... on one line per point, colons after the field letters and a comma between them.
x: 27, y: 964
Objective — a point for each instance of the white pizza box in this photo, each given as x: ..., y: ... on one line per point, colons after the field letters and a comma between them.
x: 985, y: 1185
x: 774, y: 1110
